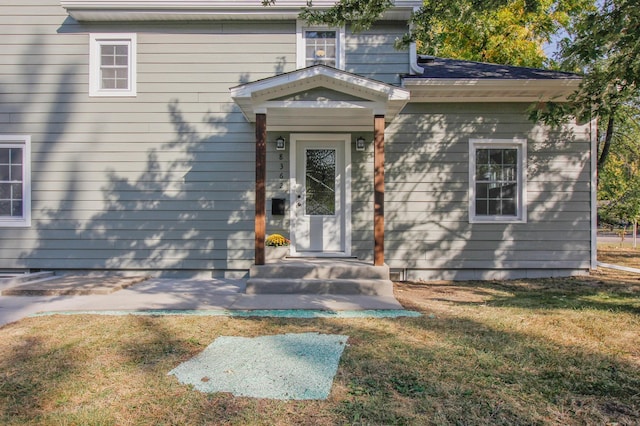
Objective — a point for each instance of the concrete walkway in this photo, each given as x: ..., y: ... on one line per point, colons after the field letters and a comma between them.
x: 187, y: 295
x: 618, y: 267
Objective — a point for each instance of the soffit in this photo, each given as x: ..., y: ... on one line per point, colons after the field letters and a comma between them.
x: 188, y: 10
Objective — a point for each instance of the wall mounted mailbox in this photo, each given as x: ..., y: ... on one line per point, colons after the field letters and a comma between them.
x: 277, y: 206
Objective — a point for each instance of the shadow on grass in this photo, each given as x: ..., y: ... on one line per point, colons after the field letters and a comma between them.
x: 606, y: 292
x: 465, y: 367
x: 497, y: 375
x: 37, y: 376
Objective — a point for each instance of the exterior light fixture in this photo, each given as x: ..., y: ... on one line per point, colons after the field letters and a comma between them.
x: 280, y: 146
x: 360, y: 144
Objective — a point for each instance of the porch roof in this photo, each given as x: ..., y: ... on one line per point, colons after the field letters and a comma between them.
x: 350, y: 102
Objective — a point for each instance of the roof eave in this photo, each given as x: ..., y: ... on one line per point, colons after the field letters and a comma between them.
x: 189, y: 10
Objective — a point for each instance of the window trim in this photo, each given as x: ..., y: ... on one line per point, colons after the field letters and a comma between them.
x: 24, y: 142
x: 301, y: 27
x: 521, y: 206
x: 95, y: 41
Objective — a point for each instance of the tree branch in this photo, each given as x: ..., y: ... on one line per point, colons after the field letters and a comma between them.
x: 607, y: 141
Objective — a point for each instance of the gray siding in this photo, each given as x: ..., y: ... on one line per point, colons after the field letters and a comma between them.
x: 362, y: 201
x: 426, y: 202
x: 164, y: 180
x: 372, y: 54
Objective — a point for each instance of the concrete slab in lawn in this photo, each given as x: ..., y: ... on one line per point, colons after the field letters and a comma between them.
x: 288, y: 367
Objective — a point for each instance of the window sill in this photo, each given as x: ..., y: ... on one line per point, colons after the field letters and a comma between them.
x: 497, y: 220
x: 22, y: 223
x: 112, y: 95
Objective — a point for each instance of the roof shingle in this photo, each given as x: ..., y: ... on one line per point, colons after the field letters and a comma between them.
x: 441, y: 68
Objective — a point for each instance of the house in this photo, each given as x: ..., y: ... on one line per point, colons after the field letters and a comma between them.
x: 171, y: 137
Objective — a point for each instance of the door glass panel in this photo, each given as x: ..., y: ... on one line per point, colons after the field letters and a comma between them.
x: 320, y: 181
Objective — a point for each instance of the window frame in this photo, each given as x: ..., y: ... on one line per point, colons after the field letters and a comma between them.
x: 24, y: 142
x: 96, y: 41
x: 521, y: 204
x: 301, y: 57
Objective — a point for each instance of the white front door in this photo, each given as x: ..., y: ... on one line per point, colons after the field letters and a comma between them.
x: 320, y: 195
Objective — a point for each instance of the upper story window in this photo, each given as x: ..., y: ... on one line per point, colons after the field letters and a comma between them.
x: 15, y: 180
x: 112, y: 63
x: 497, y: 180
x: 320, y: 45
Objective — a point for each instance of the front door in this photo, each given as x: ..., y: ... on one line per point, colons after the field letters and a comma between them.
x: 320, y: 195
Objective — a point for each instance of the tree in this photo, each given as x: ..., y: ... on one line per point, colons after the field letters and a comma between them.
x: 507, y: 35
x: 618, y: 185
x: 604, y: 45
x: 499, y: 31
x: 506, y: 32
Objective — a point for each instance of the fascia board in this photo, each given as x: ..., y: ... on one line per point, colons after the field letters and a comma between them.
x: 190, y: 4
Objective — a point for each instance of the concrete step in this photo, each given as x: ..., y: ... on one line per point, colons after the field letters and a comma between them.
x: 16, y: 280
x: 338, y: 286
x: 320, y: 269
x: 27, y: 288
x: 23, y: 278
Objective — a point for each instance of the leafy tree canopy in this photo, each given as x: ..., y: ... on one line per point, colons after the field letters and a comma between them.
x: 618, y: 183
x: 499, y: 31
x: 504, y: 32
x: 604, y: 45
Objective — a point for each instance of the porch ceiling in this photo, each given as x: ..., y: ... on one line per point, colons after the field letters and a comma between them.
x: 276, y: 96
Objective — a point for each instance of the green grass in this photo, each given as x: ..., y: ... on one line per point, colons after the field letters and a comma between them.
x: 525, y: 352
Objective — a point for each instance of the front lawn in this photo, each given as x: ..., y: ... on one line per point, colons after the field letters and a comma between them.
x: 625, y: 256
x: 555, y: 351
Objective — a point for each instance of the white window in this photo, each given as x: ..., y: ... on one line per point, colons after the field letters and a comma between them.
x: 112, y: 65
x: 497, y: 180
x: 320, y: 45
x: 15, y: 181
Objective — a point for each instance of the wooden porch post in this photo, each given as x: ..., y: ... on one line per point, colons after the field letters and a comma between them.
x: 378, y: 197
x: 261, y: 176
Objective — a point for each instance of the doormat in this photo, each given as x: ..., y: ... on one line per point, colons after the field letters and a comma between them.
x: 285, y: 366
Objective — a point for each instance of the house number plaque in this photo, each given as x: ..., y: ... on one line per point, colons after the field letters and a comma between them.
x: 281, y: 157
